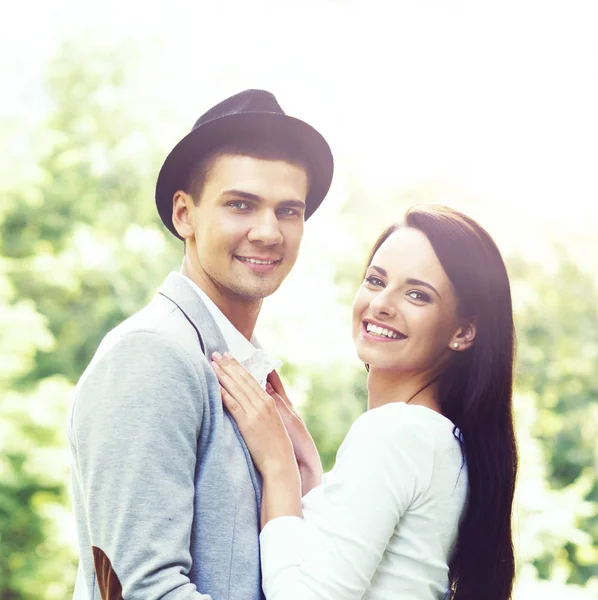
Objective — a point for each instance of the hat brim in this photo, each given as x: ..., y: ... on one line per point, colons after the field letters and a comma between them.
x: 204, y: 139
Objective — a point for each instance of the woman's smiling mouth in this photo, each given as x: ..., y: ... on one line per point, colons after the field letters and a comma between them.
x: 380, y: 333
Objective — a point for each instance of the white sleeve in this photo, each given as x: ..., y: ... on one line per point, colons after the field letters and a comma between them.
x: 381, y: 468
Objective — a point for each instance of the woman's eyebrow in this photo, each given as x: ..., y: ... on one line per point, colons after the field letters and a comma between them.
x: 409, y: 280
x: 412, y: 281
x: 380, y: 270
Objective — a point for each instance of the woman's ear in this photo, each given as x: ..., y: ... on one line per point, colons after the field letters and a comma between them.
x: 464, y: 336
x: 182, y: 204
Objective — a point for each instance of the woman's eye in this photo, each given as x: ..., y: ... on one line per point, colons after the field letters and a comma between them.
x: 419, y: 296
x: 374, y: 280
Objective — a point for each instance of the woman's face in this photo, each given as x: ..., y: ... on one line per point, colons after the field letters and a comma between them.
x: 405, y: 312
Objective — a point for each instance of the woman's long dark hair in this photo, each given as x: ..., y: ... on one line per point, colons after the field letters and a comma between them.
x: 476, y: 395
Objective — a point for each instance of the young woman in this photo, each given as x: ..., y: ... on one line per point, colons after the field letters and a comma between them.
x: 418, y: 505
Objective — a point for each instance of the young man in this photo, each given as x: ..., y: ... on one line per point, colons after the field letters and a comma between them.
x: 166, y: 497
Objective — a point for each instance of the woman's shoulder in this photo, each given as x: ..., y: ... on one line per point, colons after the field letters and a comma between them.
x: 397, y: 429
x: 399, y: 417
x: 400, y: 440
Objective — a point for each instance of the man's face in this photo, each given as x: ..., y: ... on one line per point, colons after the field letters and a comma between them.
x: 247, y: 226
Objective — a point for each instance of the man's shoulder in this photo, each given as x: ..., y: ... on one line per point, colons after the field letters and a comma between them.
x: 159, y: 328
x: 162, y: 318
x: 159, y: 317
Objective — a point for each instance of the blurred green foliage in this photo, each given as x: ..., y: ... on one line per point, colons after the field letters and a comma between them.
x: 557, y: 324
x: 81, y: 248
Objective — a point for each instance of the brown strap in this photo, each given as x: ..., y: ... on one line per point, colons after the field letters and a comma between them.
x: 108, y: 582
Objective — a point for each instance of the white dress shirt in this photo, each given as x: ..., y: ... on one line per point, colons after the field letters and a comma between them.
x: 383, y: 523
x: 249, y: 353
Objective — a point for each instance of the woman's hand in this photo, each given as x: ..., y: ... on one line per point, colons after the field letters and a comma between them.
x: 256, y: 415
x: 306, y: 453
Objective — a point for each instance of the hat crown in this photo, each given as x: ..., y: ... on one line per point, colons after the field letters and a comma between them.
x: 247, y: 101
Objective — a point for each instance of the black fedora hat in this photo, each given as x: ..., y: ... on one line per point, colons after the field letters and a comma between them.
x: 248, y: 113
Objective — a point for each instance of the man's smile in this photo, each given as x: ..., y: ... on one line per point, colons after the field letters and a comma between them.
x: 259, y: 264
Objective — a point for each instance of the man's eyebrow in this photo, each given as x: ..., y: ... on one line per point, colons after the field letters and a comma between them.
x: 409, y: 280
x: 293, y: 204
x: 412, y: 281
x: 241, y: 194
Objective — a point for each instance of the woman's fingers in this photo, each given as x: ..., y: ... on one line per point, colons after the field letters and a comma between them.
x: 235, y: 408
x: 281, y: 405
x: 239, y: 383
x: 282, y: 399
x: 234, y: 392
x: 276, y: 383
x: 255, y: 413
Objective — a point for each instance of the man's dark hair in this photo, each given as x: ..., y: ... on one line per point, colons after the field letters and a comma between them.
x: 265, y: 148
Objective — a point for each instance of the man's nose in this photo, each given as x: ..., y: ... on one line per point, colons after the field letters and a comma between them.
x: 266, y: 229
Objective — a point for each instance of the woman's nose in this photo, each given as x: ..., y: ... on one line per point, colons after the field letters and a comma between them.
x: 383, y: 306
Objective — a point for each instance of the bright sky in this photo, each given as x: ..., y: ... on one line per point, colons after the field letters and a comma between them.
x: 494, y: 104
x: 498, y: 98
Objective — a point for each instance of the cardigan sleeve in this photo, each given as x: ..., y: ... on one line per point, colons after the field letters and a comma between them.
x: 382, y: 468
x: 136, y: 419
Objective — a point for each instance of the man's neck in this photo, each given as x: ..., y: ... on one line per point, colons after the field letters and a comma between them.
x: 243, y: 315
x: 241, y: 312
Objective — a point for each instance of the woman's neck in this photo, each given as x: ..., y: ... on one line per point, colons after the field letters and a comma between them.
x: 385, y: 386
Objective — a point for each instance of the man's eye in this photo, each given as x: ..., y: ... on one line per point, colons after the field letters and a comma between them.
x: 374, y: 280
x: 240, y: 204
x: 288, y: 212
x: 419, y: 296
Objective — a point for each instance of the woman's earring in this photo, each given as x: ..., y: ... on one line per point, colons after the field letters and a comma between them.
x: 456, y: 345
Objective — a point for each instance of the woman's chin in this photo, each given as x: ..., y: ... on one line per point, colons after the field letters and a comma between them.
x: 378, y: 363
x: 363, y: 355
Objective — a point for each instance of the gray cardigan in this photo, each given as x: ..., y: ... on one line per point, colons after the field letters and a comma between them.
x: 165, y: 495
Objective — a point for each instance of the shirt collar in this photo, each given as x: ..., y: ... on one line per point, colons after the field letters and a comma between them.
x: 249, y: 353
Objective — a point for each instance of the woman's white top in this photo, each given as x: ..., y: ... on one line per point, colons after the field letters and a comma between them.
x: 383, y: 522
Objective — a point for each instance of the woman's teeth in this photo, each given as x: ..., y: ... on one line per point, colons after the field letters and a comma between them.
x: 381, y: 331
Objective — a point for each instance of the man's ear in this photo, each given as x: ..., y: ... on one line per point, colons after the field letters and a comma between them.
x: 464, y: 336
x: 182, y: 204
